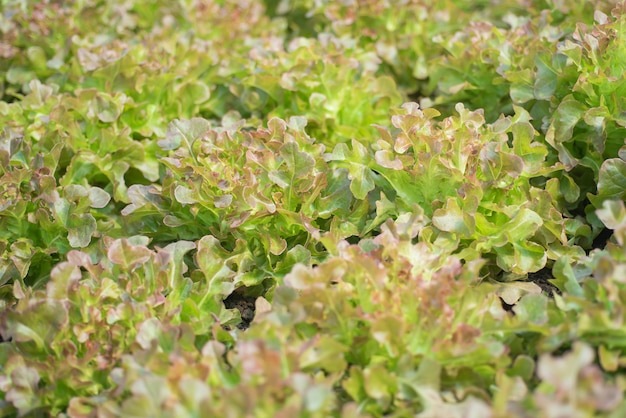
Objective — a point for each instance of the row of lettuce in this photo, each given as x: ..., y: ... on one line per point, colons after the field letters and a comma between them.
x: 156, y: 157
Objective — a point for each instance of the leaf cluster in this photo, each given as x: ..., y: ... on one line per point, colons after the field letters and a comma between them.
x: 418, y: 208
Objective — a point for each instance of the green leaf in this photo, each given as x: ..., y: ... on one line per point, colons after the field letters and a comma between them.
x: 524, y: 367
x: 404, y: 185
x: 565, y: 278
x: 387, y: 331
x: 177, y: 267
x: 565, y: 118
x: 148, y: 394
x: 529, y: 257
x: 532, y: 152
x: 609, y: 359
x: 524, y: 224
x: 429, y: 374
x: 522, y: 89
x: 295, y: 255
x: 195, y: 92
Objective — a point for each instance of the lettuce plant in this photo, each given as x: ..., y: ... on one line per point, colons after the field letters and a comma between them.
x: 474, y: 181
x: 567, y: 78
x: 223, y: 208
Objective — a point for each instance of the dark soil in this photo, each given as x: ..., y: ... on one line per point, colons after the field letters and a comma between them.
x: 602, y: 239
x: 245, y: 306
x: 539, y: 278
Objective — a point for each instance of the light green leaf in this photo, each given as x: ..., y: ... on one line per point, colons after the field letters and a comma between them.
x: 185, y: 195
x: 299, y: 163
x: 532, y: 308
x: 40, y: 322
x: 524, y: 224
x: 451, y: 218
x: 361, y: 181
x: 380, y: 384
x: 327, y: 353
x: 184, y: 132
x: 546, y: 80
x: 529, y: 257
x: 612, y: 181
x: 99, y: 198
x: 149, y: 330
x: 62, y: 277
x: 80, y: 229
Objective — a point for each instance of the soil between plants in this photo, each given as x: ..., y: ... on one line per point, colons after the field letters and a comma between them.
x: 245, y: 306
x: 540, y: 278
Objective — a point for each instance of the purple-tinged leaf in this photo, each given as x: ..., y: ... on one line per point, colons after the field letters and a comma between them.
x: 126, y: 255
x: 63, y: 278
